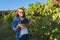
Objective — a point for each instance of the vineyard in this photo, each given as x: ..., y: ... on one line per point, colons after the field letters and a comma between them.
x: 45, y: 20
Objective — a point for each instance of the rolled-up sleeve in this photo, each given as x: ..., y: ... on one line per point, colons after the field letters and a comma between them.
x: 14, y: 24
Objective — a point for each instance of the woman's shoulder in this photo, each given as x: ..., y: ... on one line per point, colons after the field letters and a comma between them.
x: 16, y: 19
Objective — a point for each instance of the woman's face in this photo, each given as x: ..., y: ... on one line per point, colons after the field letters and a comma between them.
x: 20, y: 13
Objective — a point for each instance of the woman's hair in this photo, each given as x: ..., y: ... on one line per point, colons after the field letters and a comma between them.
x: 17, y: 15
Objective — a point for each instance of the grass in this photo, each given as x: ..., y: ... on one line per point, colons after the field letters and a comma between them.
x: 6, y: 33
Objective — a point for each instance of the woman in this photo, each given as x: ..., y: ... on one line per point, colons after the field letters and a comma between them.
x: 20, y: 25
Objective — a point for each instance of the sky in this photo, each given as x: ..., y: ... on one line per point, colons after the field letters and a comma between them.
x: 14, y: 4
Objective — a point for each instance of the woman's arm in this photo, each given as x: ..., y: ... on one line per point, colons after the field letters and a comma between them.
x: 27, y: 25
x: 14, y: 25
x: 17, y: 27
x: 20, y: 26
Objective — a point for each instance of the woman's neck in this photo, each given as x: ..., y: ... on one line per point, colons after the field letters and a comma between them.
x: 20, y: 17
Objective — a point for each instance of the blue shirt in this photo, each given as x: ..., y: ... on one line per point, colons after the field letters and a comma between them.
x: 14, y: 25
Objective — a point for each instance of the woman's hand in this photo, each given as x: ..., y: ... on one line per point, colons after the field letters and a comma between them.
x: 21, y: 25
x: 24, y: 25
